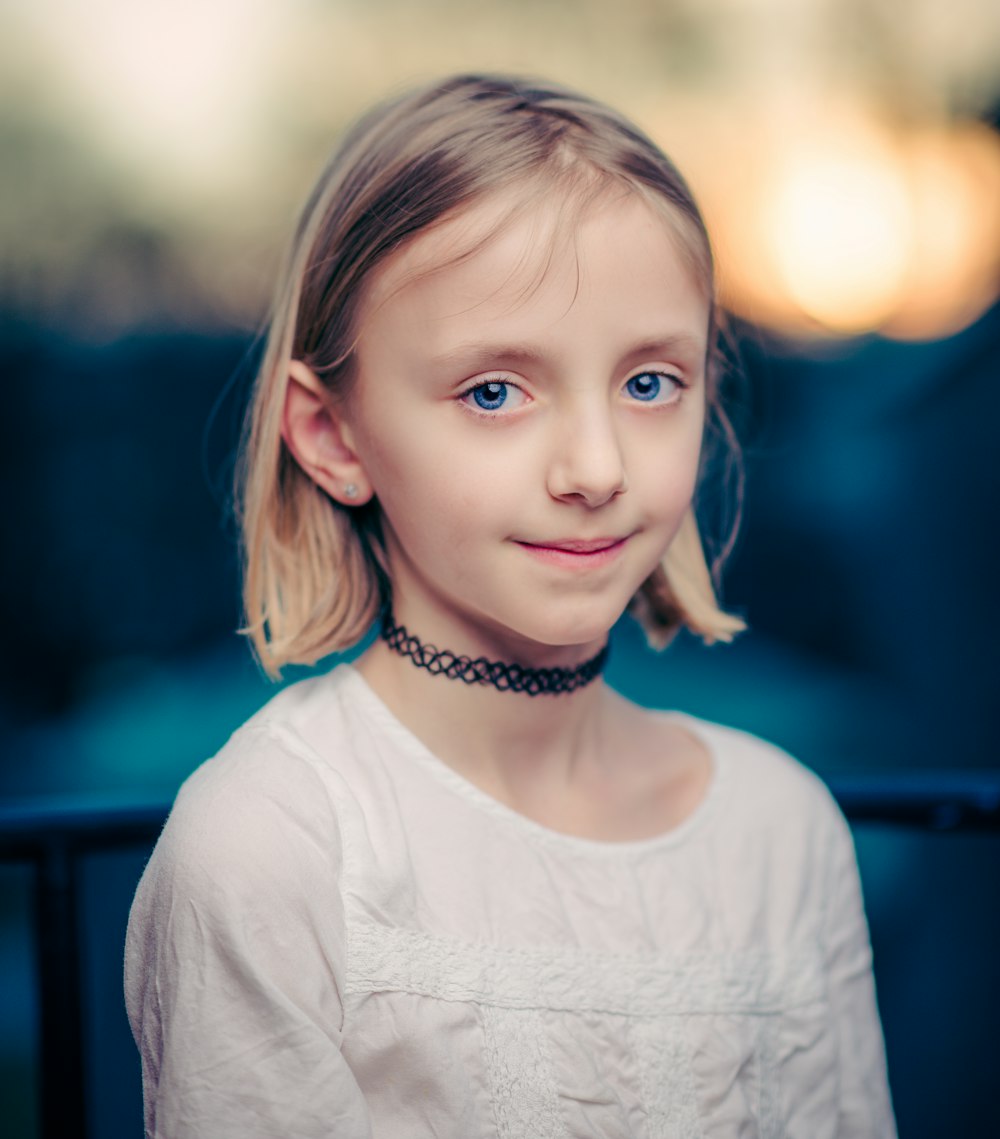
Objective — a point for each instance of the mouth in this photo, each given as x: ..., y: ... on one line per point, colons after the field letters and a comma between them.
x: 578, y: 552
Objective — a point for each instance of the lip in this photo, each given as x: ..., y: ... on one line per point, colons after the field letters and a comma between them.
x: 576, y: 552
x: 578, y: 545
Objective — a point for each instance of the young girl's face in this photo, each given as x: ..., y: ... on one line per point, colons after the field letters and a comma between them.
x: 530, y: 418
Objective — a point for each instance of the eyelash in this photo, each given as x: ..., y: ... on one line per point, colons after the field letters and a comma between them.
x: 502, y: 381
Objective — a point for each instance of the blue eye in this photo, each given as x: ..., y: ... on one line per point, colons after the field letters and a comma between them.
x: 491, y: 396
x: 494, y: 395
x: 647, y: 387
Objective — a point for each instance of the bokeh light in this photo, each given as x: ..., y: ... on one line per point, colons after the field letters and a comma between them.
x: 837, y: 148
x: 838, y: 219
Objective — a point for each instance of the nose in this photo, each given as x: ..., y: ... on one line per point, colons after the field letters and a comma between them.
x: 587, y: 463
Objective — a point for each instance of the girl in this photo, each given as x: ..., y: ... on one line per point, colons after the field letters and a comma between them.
x: 468, y: 891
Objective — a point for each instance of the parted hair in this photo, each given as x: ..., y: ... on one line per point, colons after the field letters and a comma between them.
x: 315, y: 572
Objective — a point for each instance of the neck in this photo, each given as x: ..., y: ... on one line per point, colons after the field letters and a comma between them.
x: 502, y: 740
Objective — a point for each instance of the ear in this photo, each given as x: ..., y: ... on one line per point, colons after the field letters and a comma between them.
x: 320, y: 439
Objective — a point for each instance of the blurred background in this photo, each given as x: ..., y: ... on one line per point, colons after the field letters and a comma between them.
x: 153, y: 156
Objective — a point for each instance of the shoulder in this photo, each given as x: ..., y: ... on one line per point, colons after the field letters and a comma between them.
x: 763, y: 783
x: 757, y: 766
x: 266, y: 798
x: 783, y: 849
x: 239, y: 913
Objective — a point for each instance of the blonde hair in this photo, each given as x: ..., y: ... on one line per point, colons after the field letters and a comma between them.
x: 315, y: 572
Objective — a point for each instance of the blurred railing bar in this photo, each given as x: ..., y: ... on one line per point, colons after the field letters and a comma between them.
x: 52, y: 835
x: 28, y: 826
x: 57, y: 952
x: 936, y: 801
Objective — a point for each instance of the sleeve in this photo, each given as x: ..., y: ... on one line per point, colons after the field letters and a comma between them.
x: 234, y: 960
x: 865, y: 1106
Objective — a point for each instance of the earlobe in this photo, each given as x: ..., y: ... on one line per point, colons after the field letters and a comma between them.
x: 319, y: 439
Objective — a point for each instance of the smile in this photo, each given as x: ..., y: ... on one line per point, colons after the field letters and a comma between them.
x: 576, y: 553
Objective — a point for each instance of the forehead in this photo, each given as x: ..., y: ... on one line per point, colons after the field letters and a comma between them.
x: 498, y: 229
x: 513, y: 266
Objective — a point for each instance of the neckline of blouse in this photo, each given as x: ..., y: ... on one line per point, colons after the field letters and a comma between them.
x: 446, y: 776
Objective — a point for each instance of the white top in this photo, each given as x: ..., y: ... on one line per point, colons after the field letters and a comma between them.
x: 339, y: 936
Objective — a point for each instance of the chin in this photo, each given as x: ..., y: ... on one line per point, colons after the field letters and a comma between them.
x: 572, y: 630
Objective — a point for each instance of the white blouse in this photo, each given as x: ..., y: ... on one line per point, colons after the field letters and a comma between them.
x: 338, y: 936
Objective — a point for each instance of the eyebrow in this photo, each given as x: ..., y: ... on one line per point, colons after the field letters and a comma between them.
x: 478, y: 356
x: 680, y: 343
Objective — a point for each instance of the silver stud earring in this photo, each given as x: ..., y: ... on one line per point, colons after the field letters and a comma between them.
x: 350, y: 490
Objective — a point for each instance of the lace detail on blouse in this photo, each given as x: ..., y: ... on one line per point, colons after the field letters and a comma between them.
x: 514, y: 987
x: 385, y: 959
x: 768, y: 1100
x: 667, y: 1081
x: 525, y: 1099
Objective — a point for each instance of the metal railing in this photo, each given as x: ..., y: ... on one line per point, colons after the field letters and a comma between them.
x: 53, y: 835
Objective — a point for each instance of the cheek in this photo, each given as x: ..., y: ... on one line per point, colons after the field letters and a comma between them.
x: 435, y: 462
x: 670, y: 472
x: 432, y: 496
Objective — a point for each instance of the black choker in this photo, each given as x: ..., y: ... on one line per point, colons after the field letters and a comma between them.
x: 506, y: 677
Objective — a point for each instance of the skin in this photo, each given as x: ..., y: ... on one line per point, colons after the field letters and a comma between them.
x: 519, y: 524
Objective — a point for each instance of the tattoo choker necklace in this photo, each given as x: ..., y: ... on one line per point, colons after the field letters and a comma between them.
x: 497, y: 674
